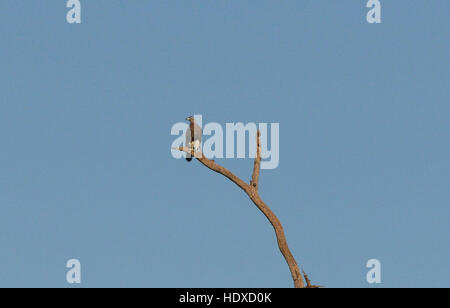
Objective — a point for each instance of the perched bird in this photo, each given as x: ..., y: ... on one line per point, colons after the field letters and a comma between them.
x: 193, y: 137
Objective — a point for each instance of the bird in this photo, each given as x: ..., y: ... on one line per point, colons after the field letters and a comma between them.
x: 193, y: 137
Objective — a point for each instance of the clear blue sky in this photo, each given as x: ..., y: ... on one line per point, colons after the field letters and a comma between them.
x: 85, y: 164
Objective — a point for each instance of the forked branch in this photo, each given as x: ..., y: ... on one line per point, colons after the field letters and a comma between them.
x: 252, y: 191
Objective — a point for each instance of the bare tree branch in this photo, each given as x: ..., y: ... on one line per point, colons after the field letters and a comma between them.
x: 257, y: 163
x: 308, y: 282
x: 252, y: 191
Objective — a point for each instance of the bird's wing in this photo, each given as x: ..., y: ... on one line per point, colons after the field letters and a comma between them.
x: 188, y: 135
x: 197, y: 132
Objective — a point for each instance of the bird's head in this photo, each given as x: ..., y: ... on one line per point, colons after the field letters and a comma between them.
x: 190, y: 119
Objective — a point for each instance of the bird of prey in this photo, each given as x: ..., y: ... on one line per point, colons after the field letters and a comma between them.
x: 193, y: 137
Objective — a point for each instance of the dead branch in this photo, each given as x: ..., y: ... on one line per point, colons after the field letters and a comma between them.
x: 308, y: 282
x: 252, y: 191
x: 257, y: 163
